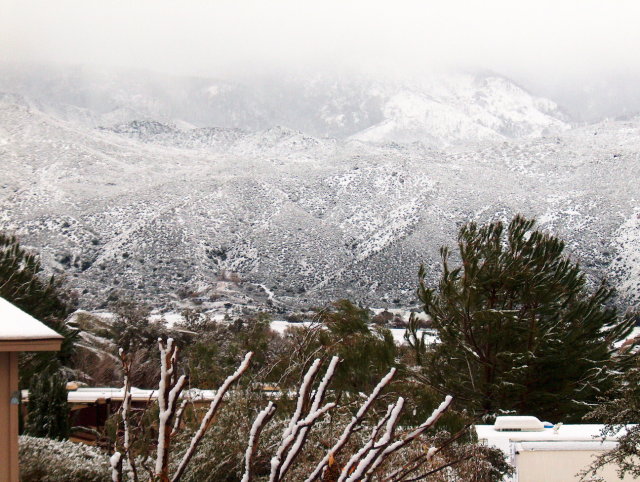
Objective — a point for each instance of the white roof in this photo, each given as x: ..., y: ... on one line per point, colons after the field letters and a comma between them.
x: 16, y: 325
x: 566, y: 433
x: 92, y: 395
x: 570, y: 446
x: 574, y: 432
x: 514, y: 422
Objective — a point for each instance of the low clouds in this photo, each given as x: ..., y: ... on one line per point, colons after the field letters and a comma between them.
x: 203, y: 37
x: 548, y: 44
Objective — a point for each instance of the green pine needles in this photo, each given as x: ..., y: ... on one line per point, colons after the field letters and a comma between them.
x: 23, y: 283
x: 47, y: 408
x: 520, y: 332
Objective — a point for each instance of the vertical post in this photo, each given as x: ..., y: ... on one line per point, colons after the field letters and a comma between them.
x: 13, y: 415
x: 8, y: 417
x: 5, y: 409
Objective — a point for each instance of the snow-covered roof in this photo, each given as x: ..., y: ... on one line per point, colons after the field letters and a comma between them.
x: 93, y: 395
x: 519, y: 423
x: 20, y: 331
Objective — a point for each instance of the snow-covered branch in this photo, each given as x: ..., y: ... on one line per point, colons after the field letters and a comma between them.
x: 115, y: 461
x: 310, y: 408
x: 178, y: 417
x: 403, y: 472
x: 348, y: 430
x: 375, y: 451
x: 377, y: 447
x: 355, y: 458
x: 125, y: 410
x: 295, y: 435
x: 169, y: 391
x: 208, y: 418
x: 426, y: 425
x: 314, y: 413
x: 252, y: 446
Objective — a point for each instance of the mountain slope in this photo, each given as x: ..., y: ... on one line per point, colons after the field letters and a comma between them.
x: 461, y: 109
x: 311, y: 219
x: 439, y: 110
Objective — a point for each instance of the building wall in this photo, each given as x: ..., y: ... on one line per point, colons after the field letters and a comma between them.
x: 8, y: 417
x: 560, y: 466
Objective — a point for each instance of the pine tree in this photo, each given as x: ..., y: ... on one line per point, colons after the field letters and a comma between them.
x: 48, y: 410
x: 366, y: 351
x: 621, y: 411
x: 23, y: 284
x: 519, y: 329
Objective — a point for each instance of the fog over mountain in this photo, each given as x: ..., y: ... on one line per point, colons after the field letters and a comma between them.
x: 582, y: 54
x: 437, y: 108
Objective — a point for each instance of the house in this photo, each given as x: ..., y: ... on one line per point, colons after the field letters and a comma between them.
x: 19, y: 332
x: 541, y: 451
x: 90, y: 408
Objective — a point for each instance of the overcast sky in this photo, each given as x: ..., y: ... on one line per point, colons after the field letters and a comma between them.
x: 552, y: 46
x: 542, y: 38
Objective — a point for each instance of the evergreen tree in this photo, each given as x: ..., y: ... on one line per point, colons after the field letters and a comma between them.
x: 622, y: 409
x: 23, y: 284
x: 519, y: 329
x: 366, y: 351
x: 48, y: 410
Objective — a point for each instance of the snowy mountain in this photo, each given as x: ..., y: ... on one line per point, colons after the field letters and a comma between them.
x: 153, y: 208
x: 460, y: 109
x: 440, y: 110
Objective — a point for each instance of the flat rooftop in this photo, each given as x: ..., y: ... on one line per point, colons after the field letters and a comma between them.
x: 566, y: 433
x: 94, y: 395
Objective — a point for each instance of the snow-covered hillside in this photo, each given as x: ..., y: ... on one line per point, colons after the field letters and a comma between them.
x: 460, y: 109
x: 440, y: 110
x: 156, y: 208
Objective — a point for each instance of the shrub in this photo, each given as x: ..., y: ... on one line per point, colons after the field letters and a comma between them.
x: 46, y: 460
x: 48, y: 408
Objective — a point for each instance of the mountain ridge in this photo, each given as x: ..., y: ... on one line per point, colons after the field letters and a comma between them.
x: 438, y: 110
x: 312, y: 221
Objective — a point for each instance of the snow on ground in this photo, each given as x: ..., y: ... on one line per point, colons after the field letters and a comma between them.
x: 430, y: 335
x: 171, y: 319
x: 280, y: 326
x: 352, y: 218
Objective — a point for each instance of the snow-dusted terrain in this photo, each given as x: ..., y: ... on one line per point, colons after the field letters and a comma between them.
x: 438, y: 110
x: 152, y: 206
